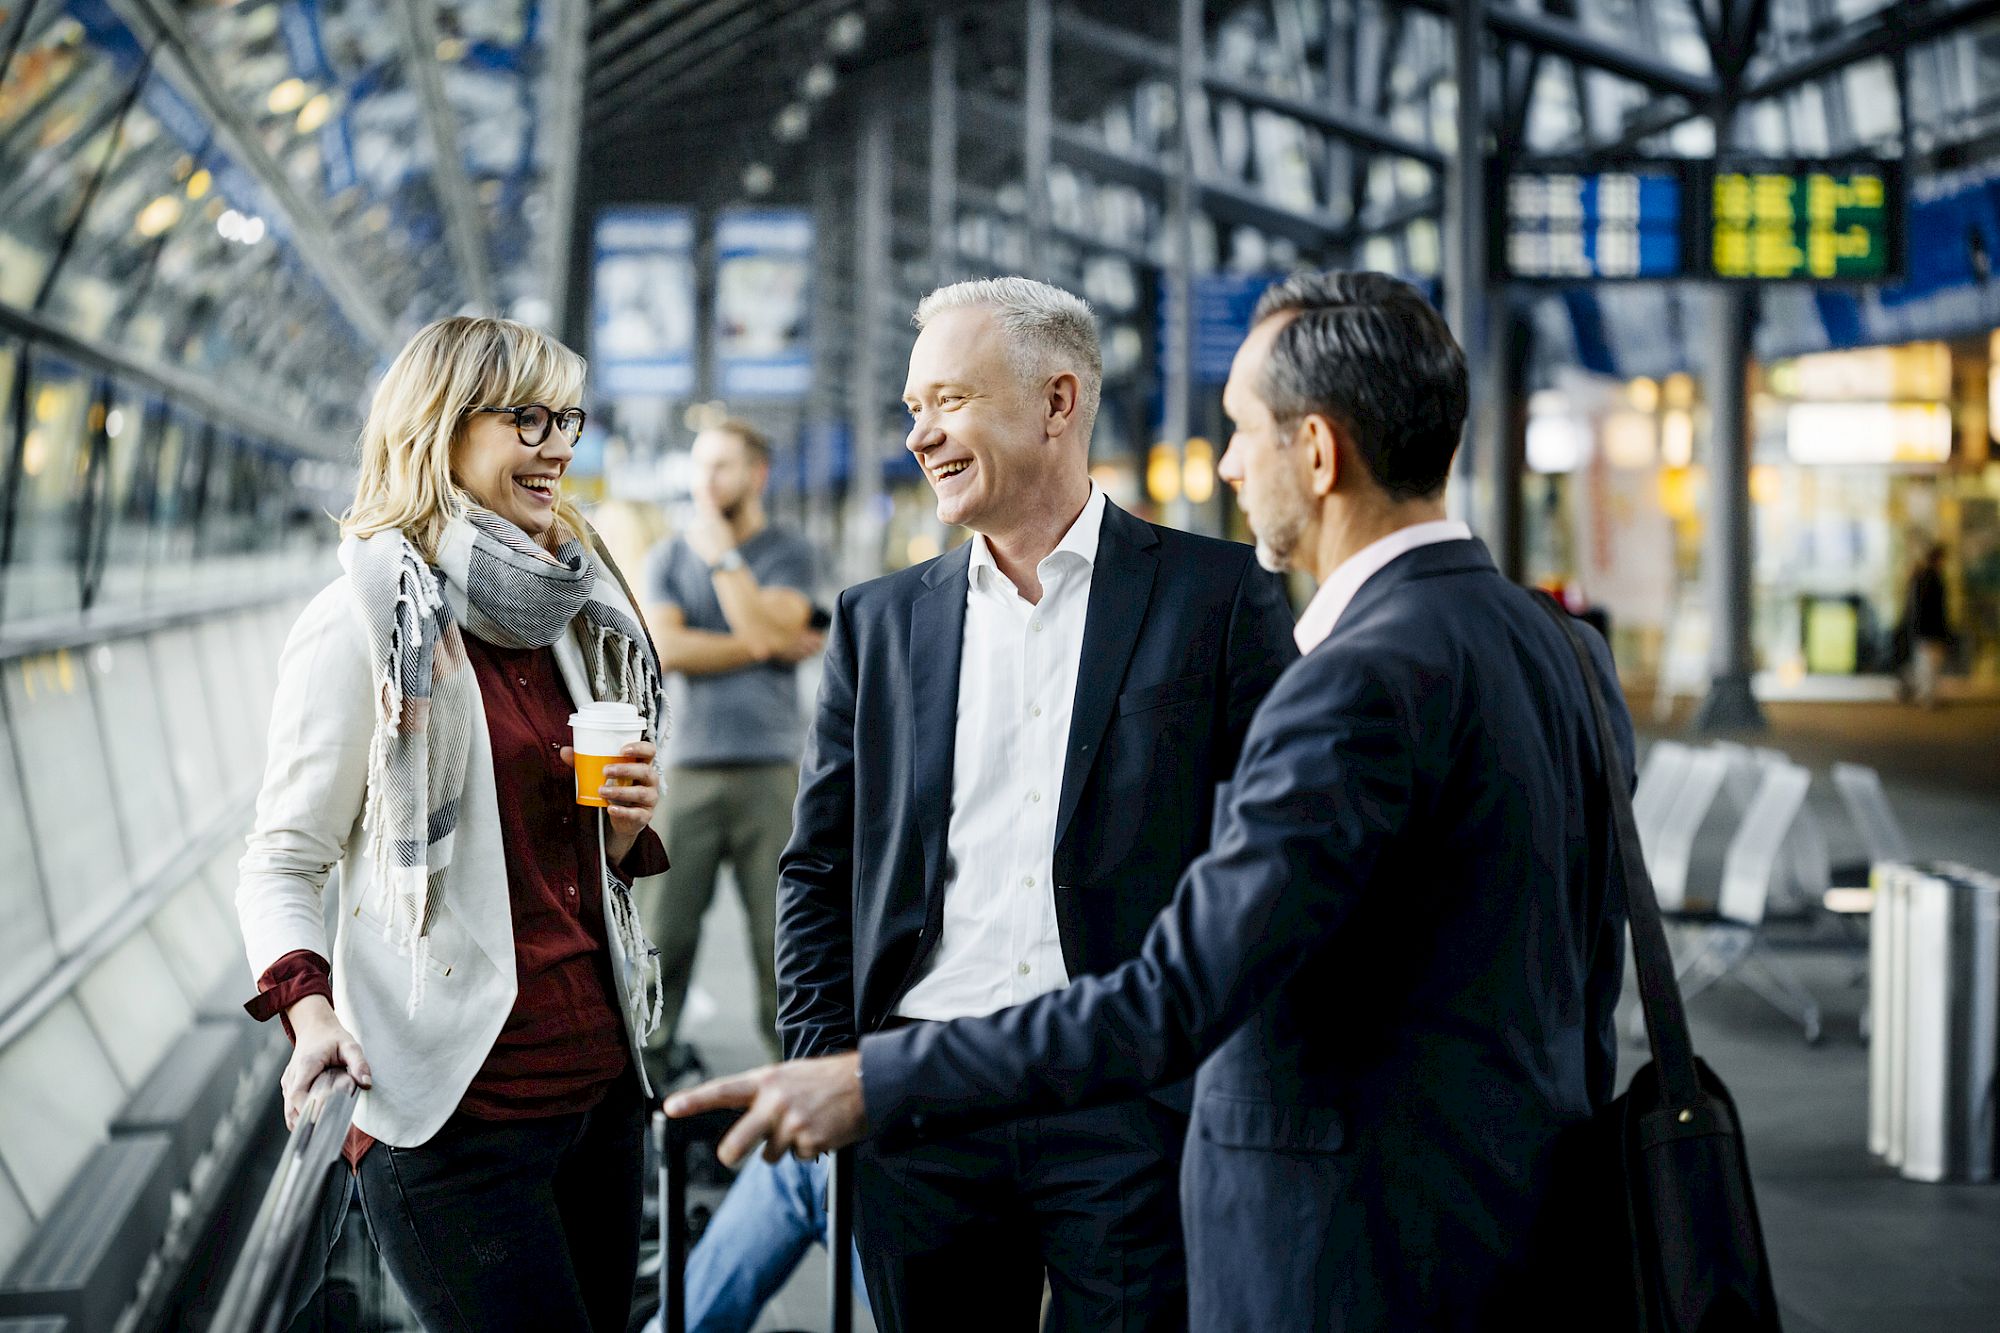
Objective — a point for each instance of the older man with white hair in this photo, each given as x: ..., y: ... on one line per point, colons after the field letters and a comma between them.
x: 1015, y: 754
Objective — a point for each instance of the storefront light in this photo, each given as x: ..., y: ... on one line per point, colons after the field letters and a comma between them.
x: 1861, y: 434
x: 1163, y: 473
x: 1644, y: 393
x: 287, y: 97
x: 1677, y: 438
x: 1628, y: 440
x: 1765, y: 483
x: 1198, y: 471
x: 1680, y: 490
x: 157, y: 216
x: 314, y: 114
x: 1993, y: 385
x: 1678, y: 389
x: 922, y: 547
x: 1556, y: 442
x: 198, y: 184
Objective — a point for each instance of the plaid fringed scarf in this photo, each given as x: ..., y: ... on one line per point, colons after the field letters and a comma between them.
x: 492, y: 579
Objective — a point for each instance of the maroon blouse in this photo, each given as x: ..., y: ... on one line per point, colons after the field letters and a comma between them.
x: 564, y: 1044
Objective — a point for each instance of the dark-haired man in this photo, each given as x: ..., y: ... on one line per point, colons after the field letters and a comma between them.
x: 729, y: 603
x: 1397, y: 964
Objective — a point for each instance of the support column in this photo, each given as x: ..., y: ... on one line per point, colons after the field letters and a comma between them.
x: 944, y: 146
x: 1726, y: 553
x: 1036, y: 124
x: 1179, y: 275
x: 863, y: 525
x: 1511, y: 360
x: 1479, y: 484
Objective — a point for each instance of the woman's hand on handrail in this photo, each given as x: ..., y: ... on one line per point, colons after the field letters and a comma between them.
x: 321, y: 1044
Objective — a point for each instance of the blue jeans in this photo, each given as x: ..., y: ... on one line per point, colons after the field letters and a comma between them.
x: 769, y: 1218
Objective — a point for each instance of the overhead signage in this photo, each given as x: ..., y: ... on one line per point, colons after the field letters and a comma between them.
x: 642, y: 329
x: 763, y: 273
x: 1735, y: 219
x: 1826, y: 221
x: 1594, y: 225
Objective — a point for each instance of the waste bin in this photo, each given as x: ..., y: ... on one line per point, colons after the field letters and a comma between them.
x: 1934, y: 996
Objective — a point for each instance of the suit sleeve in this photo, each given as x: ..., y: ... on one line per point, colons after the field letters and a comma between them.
x: 1260, y: 648
x: 1325, y: 782
x: 815, y: 934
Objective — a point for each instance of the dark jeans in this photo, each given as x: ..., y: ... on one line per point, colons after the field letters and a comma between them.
x: 956, y: 1234
x: 515, y: 1224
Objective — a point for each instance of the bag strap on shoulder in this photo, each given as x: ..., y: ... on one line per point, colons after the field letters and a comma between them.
x: 1659, y: 993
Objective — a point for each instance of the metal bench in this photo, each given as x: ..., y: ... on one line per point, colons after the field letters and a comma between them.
x: 85, y: 1258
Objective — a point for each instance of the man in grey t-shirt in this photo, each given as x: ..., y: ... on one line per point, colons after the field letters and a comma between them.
x: 729, y: 602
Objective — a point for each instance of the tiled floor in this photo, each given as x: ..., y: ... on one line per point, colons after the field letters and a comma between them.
x: 1854, y: 1246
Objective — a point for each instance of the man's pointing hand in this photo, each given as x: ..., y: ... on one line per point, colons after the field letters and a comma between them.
x: 804, y: 1107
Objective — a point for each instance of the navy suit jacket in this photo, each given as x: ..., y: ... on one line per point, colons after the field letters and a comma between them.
x: 1396, y: 969
x: 1183, y: 636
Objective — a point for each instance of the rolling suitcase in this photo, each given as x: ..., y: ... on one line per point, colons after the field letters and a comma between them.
x: 673, y: 1139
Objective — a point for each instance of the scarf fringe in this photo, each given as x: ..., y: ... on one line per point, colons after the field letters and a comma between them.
x: 406, y: 925
x: 622, y: 667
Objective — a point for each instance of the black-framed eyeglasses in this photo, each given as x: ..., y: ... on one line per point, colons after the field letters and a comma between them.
x: 532, y: 422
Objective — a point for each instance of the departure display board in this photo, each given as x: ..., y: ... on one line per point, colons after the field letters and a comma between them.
x: 1834, y: 222
x: 1756, y: 220
x: 1593, y: 225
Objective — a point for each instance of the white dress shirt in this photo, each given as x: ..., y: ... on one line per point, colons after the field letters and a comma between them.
x: 1017, y: 675
x: 1323, y: 612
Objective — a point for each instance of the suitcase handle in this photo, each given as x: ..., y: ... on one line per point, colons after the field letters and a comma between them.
x: 670, y: 1138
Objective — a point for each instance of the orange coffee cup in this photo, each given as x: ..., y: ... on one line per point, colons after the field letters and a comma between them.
x: 602, y: 729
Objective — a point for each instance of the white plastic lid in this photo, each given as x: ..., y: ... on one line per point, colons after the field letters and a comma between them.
x: 608, y: 715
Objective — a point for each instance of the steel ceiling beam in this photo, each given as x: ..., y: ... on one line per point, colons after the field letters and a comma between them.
x: 172, y: 382
x: 1907, y: 24
x: 1353, y: 126
x: 677, y: 46
x: 1910, y: 24
x: 1225, y: 200
x: 1559, y: 37
x: 644, y: 22
x: 454, y: 189
x: 699, y: 56
x: 986, y: 201
x: 564, y: 80
x: 178, y: 58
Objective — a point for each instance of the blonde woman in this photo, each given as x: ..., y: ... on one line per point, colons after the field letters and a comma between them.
x: 487, y: 985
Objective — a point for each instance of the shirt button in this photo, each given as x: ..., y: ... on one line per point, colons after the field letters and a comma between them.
x: 522, y: 680
x: 1023, y: 969
x: 572, y: 890
x: 1034, y: 796
x: 1036, y: 711
x: 1038, y: 630
x: 1028, y: 880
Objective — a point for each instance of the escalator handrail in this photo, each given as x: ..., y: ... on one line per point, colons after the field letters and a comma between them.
x: 254, y: 1300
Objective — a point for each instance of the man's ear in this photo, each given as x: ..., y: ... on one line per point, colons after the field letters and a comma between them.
x: 1061, y: 397
x: 1318, y: 441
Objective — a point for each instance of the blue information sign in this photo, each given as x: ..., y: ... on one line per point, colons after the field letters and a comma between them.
x: 763, y: 275
x: 1566, y: 225
x: 642, y: 333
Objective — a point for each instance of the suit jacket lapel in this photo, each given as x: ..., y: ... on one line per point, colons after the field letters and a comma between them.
x: 937, y: 633
x: 1121, y: 588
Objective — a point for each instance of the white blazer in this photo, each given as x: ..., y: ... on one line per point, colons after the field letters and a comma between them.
x: 309, y: 819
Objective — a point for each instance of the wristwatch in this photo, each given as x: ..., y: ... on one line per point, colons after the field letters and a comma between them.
x: 730, y: 559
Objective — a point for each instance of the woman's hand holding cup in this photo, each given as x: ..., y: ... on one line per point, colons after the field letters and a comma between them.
x: 630, y: 794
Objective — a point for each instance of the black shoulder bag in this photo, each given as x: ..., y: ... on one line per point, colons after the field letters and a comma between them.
x: 1668, y: 1227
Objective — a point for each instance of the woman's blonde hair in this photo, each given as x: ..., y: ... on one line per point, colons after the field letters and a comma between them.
x: 420, y: 408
